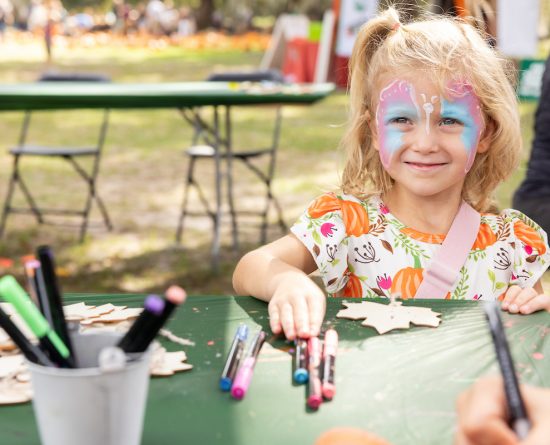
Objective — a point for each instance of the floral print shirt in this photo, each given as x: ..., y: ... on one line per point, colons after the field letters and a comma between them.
x: 362, y: 250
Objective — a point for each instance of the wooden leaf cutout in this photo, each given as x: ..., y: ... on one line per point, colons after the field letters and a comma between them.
x: 386, y: 317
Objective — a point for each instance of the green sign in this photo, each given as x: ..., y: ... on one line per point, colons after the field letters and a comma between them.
x: 530, y: 79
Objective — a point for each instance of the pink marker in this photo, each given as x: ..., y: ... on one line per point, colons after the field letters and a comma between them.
x: 315, y: 397
x: 329, y: 359
x: 244, y: 374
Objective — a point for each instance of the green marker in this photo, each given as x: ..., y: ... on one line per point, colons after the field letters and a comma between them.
x: 49, y: 340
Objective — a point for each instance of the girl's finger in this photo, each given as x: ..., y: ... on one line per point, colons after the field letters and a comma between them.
x: 316, y: 307
x: 511, y: 294
x: 287, y: 321
x: 274, y: 317
x: 523, y: 297
x: 301, y: 317
x: 537, y: 303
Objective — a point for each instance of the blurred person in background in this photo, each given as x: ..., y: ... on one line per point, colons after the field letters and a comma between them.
x: 533, y: 195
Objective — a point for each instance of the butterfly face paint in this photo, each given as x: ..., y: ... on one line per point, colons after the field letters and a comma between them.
x: 397, y: 100
x: 464, y: 107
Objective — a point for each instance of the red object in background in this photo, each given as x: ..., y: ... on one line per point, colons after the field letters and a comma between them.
x: 300, y: 59
x: 341, y: 71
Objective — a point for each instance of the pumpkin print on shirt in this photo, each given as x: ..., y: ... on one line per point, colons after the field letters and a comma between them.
x: 362, y: 250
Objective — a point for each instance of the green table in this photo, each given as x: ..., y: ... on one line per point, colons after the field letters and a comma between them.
x: 401, y: 385
x: 188, y: 97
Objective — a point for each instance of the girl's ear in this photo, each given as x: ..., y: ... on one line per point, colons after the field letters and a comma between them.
x: 486, y: 137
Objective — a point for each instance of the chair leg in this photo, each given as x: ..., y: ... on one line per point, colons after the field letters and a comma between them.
x: 188, y: 183
x: 7, y: 202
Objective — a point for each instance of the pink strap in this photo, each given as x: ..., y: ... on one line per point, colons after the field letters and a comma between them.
x: 441, y: 273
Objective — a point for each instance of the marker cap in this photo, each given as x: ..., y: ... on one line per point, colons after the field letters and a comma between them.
x: 225, y: 383
x: 301, y: 375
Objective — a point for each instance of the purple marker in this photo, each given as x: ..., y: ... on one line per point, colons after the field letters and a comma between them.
x: 315, y: 397
x: 244, y: 374
x: 138, y: 333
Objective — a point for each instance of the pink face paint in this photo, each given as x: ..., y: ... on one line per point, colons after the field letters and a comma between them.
x: 396, y: 101
x: 464, y: 106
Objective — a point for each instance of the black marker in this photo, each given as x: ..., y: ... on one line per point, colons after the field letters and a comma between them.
x: 55, y: 315
x: 155, y: 313
x: 32, y: 352
x: 516, y: 407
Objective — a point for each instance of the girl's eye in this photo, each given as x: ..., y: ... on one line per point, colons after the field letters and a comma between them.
x: 400, y: 120
x: 450, y: 121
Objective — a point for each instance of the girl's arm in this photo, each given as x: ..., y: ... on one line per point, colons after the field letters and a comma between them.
x: 526, y: 300
x: 278, y: 273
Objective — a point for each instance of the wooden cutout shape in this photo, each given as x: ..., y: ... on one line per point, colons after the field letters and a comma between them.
x: 114, y: 316
x: 386, y: 317
x: 165, y: 364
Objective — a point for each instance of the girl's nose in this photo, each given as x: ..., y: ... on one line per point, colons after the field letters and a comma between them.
x: 425, y: 140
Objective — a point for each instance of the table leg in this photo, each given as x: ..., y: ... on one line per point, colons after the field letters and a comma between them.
x: 232, y: 211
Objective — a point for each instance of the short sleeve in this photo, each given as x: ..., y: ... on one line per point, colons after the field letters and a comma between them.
x: 322, y: 230
x: 530, y: 244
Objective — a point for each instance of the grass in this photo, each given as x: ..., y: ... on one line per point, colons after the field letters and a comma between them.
x: 142, y: 171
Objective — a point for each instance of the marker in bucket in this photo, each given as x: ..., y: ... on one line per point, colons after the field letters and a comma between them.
x: 48, y: 338
x: 32, y: 352
x: 155, y: 313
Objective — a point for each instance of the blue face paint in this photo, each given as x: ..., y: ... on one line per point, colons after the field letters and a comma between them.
x: 396, y: 100
x: 465, y: 108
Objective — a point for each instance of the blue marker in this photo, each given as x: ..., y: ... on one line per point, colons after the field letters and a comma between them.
x: 300, y: 372
x: 234, y: 358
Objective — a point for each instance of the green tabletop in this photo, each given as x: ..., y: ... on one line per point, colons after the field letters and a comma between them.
x: 401, y: 386
x: 74, y: 95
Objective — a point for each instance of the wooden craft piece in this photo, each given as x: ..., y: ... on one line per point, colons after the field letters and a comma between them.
x: 114, y: 316
x: 165, y: 364
x: 386, y: 317
x: 81, y: 311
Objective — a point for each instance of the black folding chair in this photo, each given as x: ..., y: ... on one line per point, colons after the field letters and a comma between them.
x: 71, y: 154
x: 203, y: 147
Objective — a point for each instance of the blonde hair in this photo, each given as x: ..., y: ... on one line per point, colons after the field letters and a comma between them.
x: 447, y: 49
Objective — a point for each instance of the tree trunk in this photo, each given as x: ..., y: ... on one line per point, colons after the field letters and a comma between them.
x: 204, y: 14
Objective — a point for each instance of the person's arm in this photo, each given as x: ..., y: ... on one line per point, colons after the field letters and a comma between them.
x: 278, y: 273
x: 482, y: 415
x: 526, y: 300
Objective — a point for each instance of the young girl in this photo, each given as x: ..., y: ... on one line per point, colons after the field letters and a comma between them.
x: 434, y: 121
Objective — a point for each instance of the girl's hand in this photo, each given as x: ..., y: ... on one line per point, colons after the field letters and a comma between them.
x: 525, y: 301
x: 297, y: 308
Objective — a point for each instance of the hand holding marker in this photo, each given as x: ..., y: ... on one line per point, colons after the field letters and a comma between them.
x: 234, y: 358
x: 48, y: 338
x: 516, y: 407
x: 154, y: 315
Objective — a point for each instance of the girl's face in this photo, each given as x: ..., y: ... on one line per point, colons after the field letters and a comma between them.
x: 427, y: 138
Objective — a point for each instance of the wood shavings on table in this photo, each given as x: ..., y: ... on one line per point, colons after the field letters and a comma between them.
x: 387, y: 317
